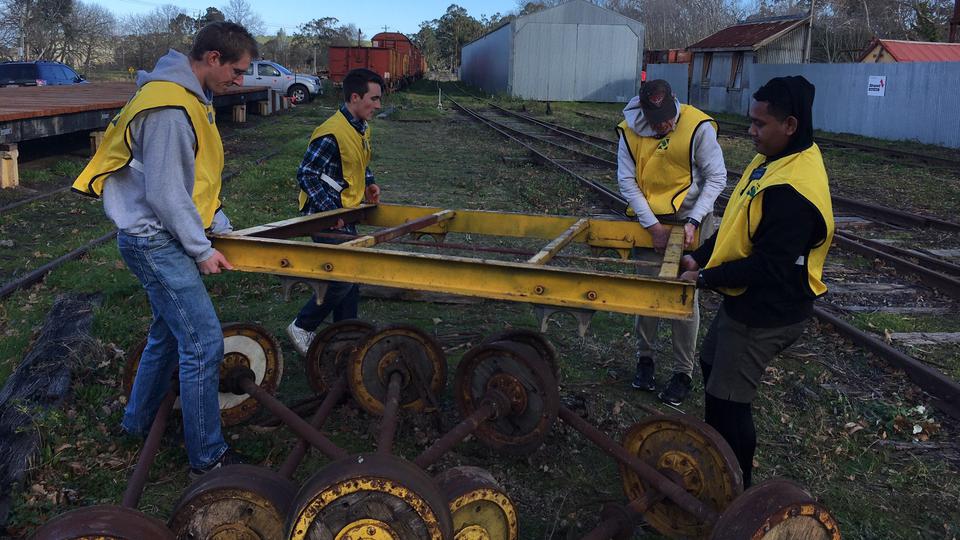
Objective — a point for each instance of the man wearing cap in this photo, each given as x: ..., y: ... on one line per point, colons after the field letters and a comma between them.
x: 767, y: 259
x: 670, y: 169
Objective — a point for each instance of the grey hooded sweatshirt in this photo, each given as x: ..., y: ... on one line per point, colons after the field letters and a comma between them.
x: 154, y: 194
x: 709, y: 171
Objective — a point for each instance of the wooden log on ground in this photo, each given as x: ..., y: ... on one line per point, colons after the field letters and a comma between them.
x: 9, y: 169
x: 41, y: 382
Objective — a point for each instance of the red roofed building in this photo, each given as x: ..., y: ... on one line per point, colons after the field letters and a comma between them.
x: 886, y: 51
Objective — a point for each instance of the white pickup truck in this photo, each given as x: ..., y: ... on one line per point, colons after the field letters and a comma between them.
x: 300, y: 87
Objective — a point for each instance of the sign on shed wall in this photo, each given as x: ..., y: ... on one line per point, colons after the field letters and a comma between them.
x: 876, y: 84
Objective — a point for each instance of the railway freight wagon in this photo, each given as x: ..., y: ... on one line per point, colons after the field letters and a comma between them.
x: 384, y: 62
x: 393, y: 56
x: 412, y: 62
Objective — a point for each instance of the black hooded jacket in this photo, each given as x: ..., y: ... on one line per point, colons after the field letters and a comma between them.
x: 776, y: 292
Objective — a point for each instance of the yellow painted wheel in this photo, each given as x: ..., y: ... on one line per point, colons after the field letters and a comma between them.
x: 692, y: 452
x: 481, y: 509
x: 416, y: 355
x: 776, y: 510
x: 238, y: 502
x: 380, y: 496
x: 244, y: 345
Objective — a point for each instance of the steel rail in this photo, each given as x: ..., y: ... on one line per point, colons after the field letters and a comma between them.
x: 609, y: 197
x: 37, y: 275
x: 937, y: 384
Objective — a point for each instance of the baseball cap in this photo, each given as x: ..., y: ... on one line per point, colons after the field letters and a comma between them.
x: 657, y: 101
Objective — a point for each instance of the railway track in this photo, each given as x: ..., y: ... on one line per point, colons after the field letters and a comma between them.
x: 594, y: 166
x: 33, y: 276
x: 739, y: 129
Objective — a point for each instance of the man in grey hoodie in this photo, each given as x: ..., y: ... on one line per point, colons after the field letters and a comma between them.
x: 162, y: 191
x: 670, y: 169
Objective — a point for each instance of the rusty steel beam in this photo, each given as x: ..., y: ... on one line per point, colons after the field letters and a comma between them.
x: 290, y: 419
x: 468, y: 425
x: 131, y: 496
x: 932, y: 263
x: 390, y: 418
x: 38, y: 274
x: 658, y: 481
x: 330, y: 401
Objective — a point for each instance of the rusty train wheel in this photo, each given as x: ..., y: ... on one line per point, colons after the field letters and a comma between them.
x: 234, y: 502
x: 692, y: 452
x: 406, y: 348
x: 776, y: 510
x: 520, y: 373
x: 481, y: 509
x: 103, y: 522
x: 330, y: 350
x: 244, y: 344
x: 533, y: 339
x: 370, y: 496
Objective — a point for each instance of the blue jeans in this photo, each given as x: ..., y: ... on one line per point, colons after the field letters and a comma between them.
x: 342, y: 299
x: 185, y: 336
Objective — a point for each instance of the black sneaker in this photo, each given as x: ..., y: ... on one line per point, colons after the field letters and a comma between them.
x: 228, y: 458
x: 677, y: 389
x: 644, y: 379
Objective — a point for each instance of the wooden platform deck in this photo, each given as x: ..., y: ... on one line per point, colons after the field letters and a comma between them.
x: 28, y: 113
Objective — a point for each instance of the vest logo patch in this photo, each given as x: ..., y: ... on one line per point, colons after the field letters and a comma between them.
x: 664, y: 144
x: 752, y: 192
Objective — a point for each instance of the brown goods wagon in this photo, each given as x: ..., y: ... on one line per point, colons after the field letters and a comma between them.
x: 413, y: 63
x: 382, y: 61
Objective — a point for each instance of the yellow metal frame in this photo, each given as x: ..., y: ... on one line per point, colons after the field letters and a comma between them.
x: 269, y: 249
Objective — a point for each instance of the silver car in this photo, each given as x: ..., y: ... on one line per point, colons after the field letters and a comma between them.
x: 300, y: 87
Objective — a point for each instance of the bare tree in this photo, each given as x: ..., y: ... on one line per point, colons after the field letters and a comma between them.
x: 240, y: 12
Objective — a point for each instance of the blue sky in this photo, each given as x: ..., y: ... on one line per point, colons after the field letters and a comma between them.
x: 369, y: 15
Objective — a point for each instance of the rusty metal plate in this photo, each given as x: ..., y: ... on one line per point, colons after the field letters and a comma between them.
x: 244, y: 344
x: 406, y: 348
x: 234, y: 502
x: 520, y: 373
x: 692, y: 452
x: 103, y: 522
x: 530, y: 338
x: 481, y: 509
x: 329, y: 351
x: 378, y: 495
x: 776, y: 510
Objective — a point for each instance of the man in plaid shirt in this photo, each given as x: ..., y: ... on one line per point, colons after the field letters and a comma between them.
x: 335, y: 174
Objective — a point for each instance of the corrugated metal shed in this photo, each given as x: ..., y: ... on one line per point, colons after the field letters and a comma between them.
x: 912, y: 51
x: 748, y: 35
x: 576, y: 51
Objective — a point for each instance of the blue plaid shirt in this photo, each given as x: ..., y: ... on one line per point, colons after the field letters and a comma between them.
x: 323, y: 157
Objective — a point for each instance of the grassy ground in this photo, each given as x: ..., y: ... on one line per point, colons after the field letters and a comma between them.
x: 829, y: 416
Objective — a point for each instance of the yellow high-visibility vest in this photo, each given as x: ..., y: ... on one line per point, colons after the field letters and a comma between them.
x: 115, y: 151
x: 355, y: 155
x: 805, y: 172
x: 664, y: 166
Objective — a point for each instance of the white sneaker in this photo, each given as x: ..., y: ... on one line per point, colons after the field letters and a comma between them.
x: 301, y: 338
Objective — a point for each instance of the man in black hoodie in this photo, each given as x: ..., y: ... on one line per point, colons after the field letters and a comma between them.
x: 766, y: 259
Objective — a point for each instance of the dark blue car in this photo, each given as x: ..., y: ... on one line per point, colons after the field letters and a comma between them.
x: 37, y: 73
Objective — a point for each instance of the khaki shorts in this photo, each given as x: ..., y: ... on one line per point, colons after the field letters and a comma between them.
x: 739, y: 355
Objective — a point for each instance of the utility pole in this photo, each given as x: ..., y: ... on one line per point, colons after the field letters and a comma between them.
x: 385, y: 28
x: 955, y: 23
x: 806, y: 57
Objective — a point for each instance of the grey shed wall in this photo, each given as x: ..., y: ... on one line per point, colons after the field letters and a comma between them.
x: 573, y: 52
x: 486, y: 62
x: 920, y: 103
x: 675, y: 74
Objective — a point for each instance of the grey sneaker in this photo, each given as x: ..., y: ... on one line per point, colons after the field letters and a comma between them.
x: 301, y: 338
x: 228, y: 458
x: 644, y: 379
x: 677, y: 389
